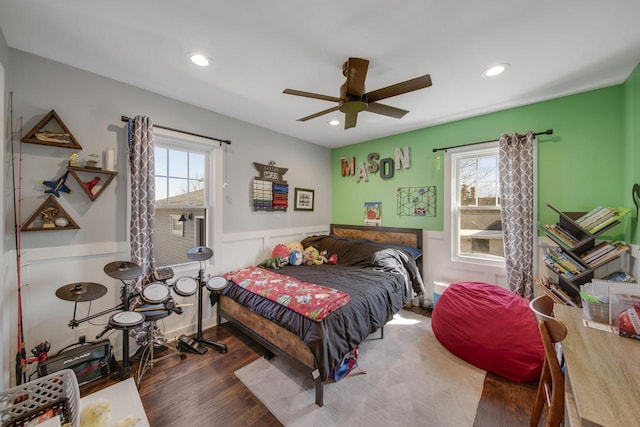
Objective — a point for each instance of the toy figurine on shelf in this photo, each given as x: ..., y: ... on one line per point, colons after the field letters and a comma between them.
x: 92, y: 162
x: 90, y: 184
x: 73, y: 160
x: 55, y: 187
x: 49, y: 216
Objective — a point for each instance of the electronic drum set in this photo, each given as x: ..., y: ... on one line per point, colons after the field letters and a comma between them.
x: 154, y: 302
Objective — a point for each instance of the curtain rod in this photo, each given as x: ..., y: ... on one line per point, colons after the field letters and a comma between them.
x: 221, y: 141
x: 546, y: 132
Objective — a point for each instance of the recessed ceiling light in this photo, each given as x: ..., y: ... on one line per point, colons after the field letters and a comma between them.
x: 494, y: 70
x: 199, y: 59
x: 334, y: 122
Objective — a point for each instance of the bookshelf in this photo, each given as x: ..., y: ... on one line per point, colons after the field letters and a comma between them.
x: 577, y: 255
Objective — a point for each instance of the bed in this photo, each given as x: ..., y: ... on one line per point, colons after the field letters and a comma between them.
x: 378, y: 267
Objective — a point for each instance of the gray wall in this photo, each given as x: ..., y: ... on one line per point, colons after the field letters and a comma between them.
x: 91, y: 107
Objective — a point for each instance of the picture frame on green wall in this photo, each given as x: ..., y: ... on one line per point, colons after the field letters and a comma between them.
x: 303, y: 199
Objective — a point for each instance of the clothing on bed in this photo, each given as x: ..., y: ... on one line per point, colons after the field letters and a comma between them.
x: 365, y: 253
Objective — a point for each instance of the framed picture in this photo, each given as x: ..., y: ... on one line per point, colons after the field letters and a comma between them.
x: 303, y: 199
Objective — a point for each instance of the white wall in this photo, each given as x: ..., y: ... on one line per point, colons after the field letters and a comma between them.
x: 440, y: 268
x: 91, y: 106
x: 48, y: 317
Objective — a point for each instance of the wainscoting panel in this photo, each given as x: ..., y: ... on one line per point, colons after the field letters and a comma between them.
x: 44, y: 270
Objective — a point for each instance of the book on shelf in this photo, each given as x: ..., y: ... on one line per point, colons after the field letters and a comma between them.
x: 589, y: 216
x: 562, y: 259
x: 599, y: 225
x: 619, y: 276
x: 604, y: 215
x: 562, y: 235
x: 553, y: 291
x: 597, y: 251
x: 618, y: 248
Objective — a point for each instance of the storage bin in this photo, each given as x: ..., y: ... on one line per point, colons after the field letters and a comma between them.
x: 58, y: 391
x: 596, y: 311
x: 438, y: 289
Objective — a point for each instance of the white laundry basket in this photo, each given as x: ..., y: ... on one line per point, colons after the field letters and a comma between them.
x: 57, y: 391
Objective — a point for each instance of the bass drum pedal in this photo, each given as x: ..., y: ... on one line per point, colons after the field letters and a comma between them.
x: 190, y: 345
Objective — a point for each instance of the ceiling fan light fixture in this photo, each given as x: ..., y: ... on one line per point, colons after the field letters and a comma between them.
x: 495, y: 70
x: 199, y: 59
x: 334, y: 122
x: 353, y: 98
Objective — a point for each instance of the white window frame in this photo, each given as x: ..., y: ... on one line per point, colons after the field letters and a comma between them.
x: 452, y: 190
x: 213, y: 197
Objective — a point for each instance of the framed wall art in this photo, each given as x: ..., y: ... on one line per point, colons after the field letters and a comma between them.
x: 303, y: 199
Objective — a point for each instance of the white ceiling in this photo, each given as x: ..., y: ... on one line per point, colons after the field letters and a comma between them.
x: 260, y: 47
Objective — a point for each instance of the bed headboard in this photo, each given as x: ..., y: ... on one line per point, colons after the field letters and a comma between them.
x: 411, y: 237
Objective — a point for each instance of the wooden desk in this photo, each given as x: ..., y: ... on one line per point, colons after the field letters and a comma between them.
x: 603, y: 373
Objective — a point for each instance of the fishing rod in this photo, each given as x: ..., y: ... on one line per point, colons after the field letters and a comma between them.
x: 21, y: 355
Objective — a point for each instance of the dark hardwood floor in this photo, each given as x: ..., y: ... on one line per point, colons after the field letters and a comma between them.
x: 202, y: 390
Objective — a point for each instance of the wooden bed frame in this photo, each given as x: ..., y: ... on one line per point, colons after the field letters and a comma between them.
x: 287, y: 344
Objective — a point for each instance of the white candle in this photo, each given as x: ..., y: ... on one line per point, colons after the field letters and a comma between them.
x: 109, y: 159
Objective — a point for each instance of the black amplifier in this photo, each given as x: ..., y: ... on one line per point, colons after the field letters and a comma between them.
x: 89, y: 361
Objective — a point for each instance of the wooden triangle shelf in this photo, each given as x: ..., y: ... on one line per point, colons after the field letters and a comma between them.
x: 91, y: 181
x: 49, y: 216
x: 51, y: 130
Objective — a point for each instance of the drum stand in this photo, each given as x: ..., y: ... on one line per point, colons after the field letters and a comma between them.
x: 195, y: 344
x: 147, y: 359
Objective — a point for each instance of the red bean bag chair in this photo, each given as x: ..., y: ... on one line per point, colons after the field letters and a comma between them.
x: 491, y: 328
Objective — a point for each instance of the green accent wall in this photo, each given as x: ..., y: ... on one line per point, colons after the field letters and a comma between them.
x: 631, y: 132
x: 582, y: 165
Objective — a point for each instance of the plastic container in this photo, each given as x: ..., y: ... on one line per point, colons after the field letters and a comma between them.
x: 438, y: 290
x: 596, y: 311
x: 58, y: 391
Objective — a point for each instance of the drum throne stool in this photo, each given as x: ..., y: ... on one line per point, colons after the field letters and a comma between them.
x: 153, y: 340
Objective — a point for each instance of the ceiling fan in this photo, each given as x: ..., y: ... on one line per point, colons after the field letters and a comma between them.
x: 353, y: 98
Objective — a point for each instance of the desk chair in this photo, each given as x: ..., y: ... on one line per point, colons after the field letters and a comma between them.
x: 551, y: 385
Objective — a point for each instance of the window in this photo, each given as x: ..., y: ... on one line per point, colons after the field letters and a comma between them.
x: 476, y: 217
x: 182, y: 197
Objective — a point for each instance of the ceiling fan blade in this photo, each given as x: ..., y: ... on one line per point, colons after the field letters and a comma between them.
x: 321, y: 113
x: 350, y: 120
x: 311, y: 95
x: 399, y: 88
x: 355, y: 70
x: 386, y: 110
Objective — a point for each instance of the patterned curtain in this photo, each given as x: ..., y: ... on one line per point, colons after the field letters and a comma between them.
x: 516, y: 199
x: 143, y: 209
x: 141, y: 225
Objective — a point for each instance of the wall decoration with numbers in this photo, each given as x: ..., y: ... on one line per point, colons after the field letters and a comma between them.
x: 417, y: 201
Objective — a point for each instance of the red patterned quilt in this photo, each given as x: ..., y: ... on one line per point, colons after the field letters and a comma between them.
x: 308, y: 299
